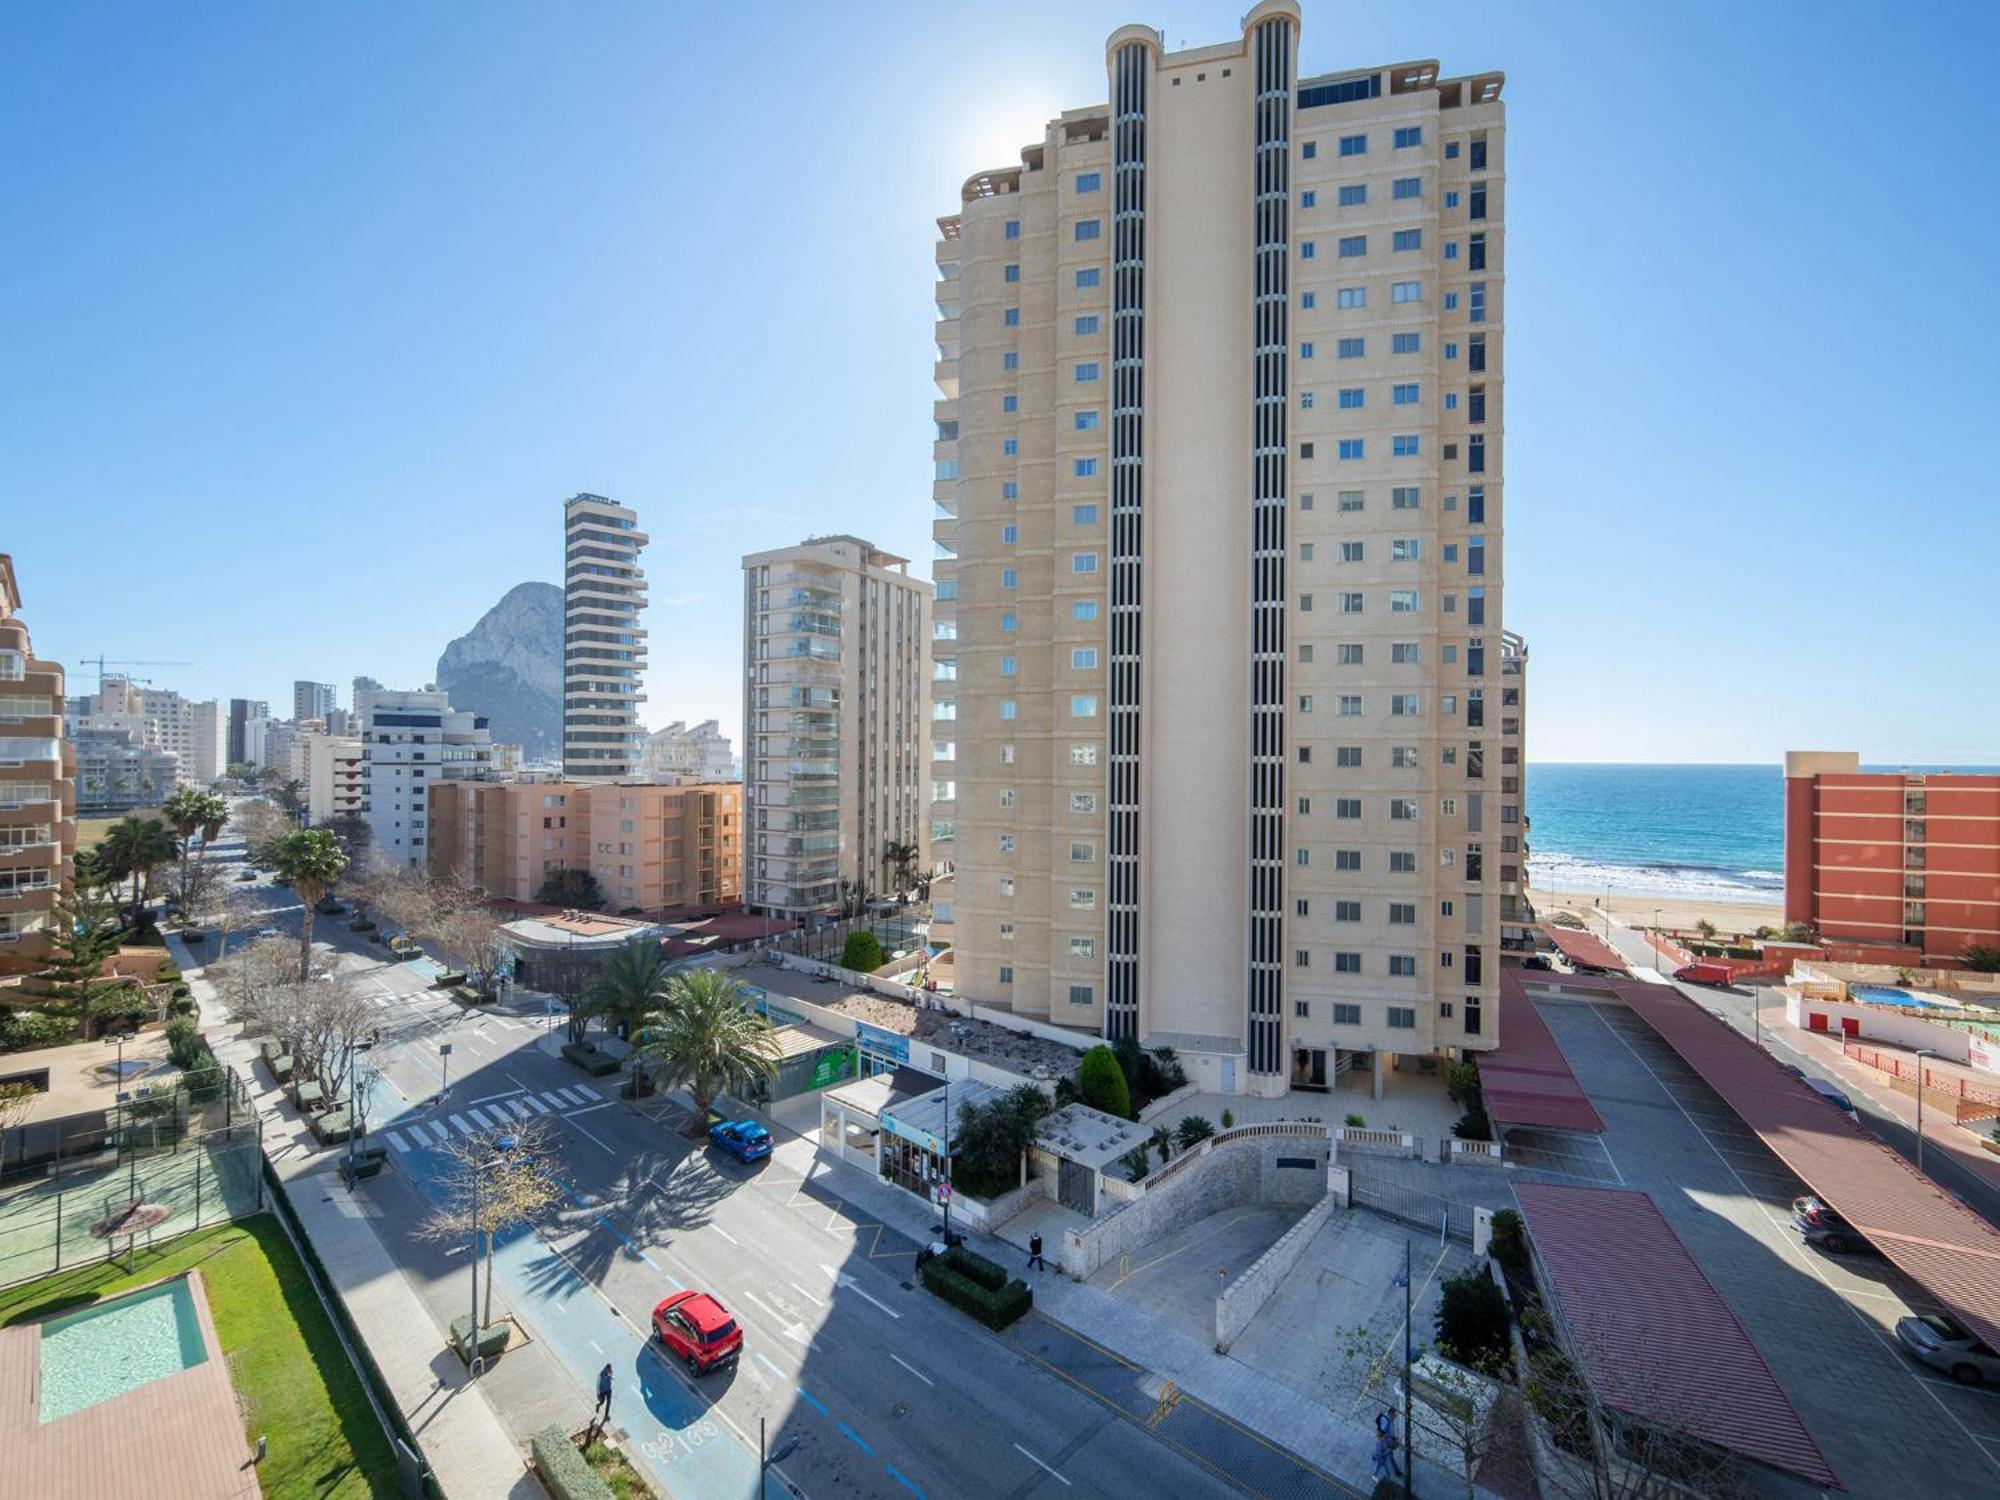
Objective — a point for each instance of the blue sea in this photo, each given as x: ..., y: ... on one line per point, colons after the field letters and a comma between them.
x: 1712, y: 833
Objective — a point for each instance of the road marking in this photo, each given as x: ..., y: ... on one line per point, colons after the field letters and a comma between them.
x: 1036, y: 1461
x: 591, y: 1110
x: 537, y: 1106
x: 519, y: 1109
x: 396, y: 1140
x: 768, y: 1365
x: 584, y: 1088
x: 489, y: 1098
x: 807, y: 1295
x: 848, y: 1284
x: 597, y: 1346
x: 443, y: 1134
x: 764, y: 1307
x: 810, y: 1399
x: 484, y: 1123
x: 458, y: 1124
x: 913, y: 1369
x: 725, y: 1234
x: 569, y: 1100
x: 854, y: 1437
x: 591, y: 1135
x: 903, y: 1479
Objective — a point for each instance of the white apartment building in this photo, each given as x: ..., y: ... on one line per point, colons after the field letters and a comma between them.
x: 837, y: 757
x: 208, y: 739
x: 155, y: 719
x: 678, y: 753
x: 1220, y: 662
x: 336, y: 777
x: 604, y: 646
x: 410, y: 740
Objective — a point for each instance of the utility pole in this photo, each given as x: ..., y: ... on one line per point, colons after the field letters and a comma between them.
x: 1920, y: 1055
x: 1409, y: 1461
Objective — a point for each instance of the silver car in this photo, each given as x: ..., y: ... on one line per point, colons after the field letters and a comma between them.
x: 1940, y: 1342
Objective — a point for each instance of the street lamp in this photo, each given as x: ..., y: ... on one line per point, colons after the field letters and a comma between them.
x: 1920, y: 1054
x: 475, y: 1362
x: 1657, y: 952
x: 1404, y: 1281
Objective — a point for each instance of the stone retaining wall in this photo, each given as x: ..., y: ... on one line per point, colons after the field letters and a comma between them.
x: 1248, y: 1293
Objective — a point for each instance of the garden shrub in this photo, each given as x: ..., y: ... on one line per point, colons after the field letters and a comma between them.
x: 863, y: 952
x: 26, y: 1030
x: 976, y: 1267
x: 588, y: 1058
x: 1473, y: 1125
x: 563, y: 1471
x: 1472, y: 1322
x: 1101, y: 1082
x: 947, y: 1278
x: 1509, y: 1245
x: 1192, y: 1131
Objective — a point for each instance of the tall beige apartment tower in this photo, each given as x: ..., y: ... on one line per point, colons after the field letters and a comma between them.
x: 604, y: 646
x: 837, y: 753
x: 1219, y: 649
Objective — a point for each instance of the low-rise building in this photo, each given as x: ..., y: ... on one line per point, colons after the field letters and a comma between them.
x: 37, y: 785
x: 116, y: 771
x: 649, y: 847
x: 336, y: 781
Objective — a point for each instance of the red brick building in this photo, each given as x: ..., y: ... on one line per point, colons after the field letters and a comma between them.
x: 1892, y: 857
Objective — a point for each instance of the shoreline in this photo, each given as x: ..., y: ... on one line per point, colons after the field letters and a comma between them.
x: 1633, y: 910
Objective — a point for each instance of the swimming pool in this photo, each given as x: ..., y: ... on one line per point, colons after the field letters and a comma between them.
x: 1882, y: 994
x: 105, y: 1351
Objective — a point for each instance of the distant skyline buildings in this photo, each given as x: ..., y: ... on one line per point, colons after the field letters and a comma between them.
x: 312, y: 700
x: 604, y: 643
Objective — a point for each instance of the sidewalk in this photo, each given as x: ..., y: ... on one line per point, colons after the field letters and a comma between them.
x: 471, y: 1454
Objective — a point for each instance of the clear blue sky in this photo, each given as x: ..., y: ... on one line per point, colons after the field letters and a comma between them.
x: 311, y: 315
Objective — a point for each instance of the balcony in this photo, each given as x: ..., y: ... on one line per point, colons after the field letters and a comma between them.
x: 946, y: 376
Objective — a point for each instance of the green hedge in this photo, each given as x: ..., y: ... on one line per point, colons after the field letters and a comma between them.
x: 951, y: 1278
x: 563, y: 1472
x: 976, y: 1267
x: 588, y: 1058
x: 492, y: 1338
x: 1749, y: 953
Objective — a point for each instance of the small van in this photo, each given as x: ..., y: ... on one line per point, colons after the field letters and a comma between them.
x: 1699, y: 973
x: 1832, y: 1096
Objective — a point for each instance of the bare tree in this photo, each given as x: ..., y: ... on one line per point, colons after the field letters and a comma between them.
x: 257, y: 984
x: 367, y: 1084
x: 16, y: 1100
x: 472, y: 935
x: 512, y: 1171
x: 333, y: 1020
x: 261, y: 824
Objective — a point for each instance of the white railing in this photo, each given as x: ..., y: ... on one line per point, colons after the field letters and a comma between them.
x: 1396, y: 1142
x: 1486, y: 1153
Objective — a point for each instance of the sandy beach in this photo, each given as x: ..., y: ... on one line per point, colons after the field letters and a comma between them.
x: 1637, y: 911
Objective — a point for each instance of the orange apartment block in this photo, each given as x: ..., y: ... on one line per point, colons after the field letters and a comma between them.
x: 37, y: 787
x: 650, y: 847
x: 1892, y: 857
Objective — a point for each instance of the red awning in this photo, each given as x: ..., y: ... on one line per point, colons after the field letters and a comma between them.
x: 1652, y: 1333
x: 1526, y: 1079
x: 1585, y: 951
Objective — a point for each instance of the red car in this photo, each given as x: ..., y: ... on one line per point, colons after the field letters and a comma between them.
x: 698, y: 1330
x: 1704, y: 974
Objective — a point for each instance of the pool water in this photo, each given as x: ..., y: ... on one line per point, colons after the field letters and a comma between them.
x: 1882, y: 994
x: 101, y: 1352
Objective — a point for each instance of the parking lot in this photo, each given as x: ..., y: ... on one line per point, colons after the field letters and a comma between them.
x: 1823, y: 1323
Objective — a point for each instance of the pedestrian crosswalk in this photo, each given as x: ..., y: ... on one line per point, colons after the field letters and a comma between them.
x: 493, y: 1114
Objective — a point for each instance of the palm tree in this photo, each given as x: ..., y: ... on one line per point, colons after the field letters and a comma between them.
x: 706, y: 1041
x: 632, y: 984
x: 902, y: 858
x: 311, y: 859
x: 136, y: 847
x: 185, y: 810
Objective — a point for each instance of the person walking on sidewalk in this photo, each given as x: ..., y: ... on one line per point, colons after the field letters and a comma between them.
x: 1035, y: 1262
x: 602, y: 1412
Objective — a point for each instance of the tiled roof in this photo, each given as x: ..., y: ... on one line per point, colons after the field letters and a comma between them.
x: 1652, y: 1333
x: 1582, y: 949
x: 1939, y: 1243
x: 1526, y: 1080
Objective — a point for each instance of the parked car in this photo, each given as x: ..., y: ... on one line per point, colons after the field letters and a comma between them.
x: 1700, y: 973
x: 1941, y: 1342
x: 1535, y: 961
x: 1826, y: 1230
x: 697, y: 1330
x: 247, y: 875
x: 745, y: 1140
x: 1832, y: 1096
x: 264, y: 932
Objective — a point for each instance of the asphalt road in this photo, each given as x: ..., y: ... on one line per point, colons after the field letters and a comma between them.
x: 874, y: 1386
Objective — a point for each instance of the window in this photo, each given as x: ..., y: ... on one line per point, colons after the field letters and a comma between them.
x: 1309, y: 199
x: 1475, y: 310
x: 1403, y: 862
x: 1406, y: 291
x: 1354, y: 145
x: 1007, y: 847
x: 1404, y: 395
x: 1478, y: 162
x: 1089, y: 229
x: 1350, y: 501
x: 1087, y: 372
x: 1451, y: 249
x: 1351, y: 604
x: 1348, y: 860
x: 1010, y: 489
x: 1309, y: 150
x: 1084, y: 468
x: 1089, y: 182
x: 1083, y: 562
x: 1351, y: 448
x: 1353, y: 552
x: 1082, y: 947
x: 1476, y: 205
x: 1305, y: 400
x: 1405, y: 705
x: 1083, y: 515
x: 1347, y: 963
x: 1405, y: 497
x: 1351, y: 348
x: 1082, y: 854
x: 1083, y: 658
x: 1007, y: 666
x: 1306, y: 350
x: 1348, y: 757
x: 1013, y: 229
x: 1006, y: 975
x: 1353, y: 195
x: 1010, y: 534
x: 1009, y: 709
x: 1405, y: 343
x: 1086, y: 421
x: 1409, y: 135
x: 1086, y: 324
x: 1405, y: 549
x: 1305, y: 603
x: 1083, y: 609
x: 1083, y: 706
x: 1407, y: 239
x: 1010, y: 403
x: 1402, y: 913
x: 1403, y: 1017
x: 1348, y: 705
x: 1082, y: 900
x: 1081, y: 994
x: 1009, y: 621
x: 1011, y: 317
x: 1308, y: 299
x: 1348, y: 809
x: 1347, y: 911
x: 1009, y: 578
x: 1302, y: 856
x: 1088, y: 276
x: 1083, y: 802
x: 1402, y: 810
x: 1353, y: 245
x: 1406, y: 653
x: 1349, y: 654
x: 1352, y: 398
x: 1407, y: 187
x: 1083, y: 755
x: 1475, y: 259
x: 1475, y: 453
x: 1346, y: 1015
x: 1308, y: 250
x: 1403, y: 445
x: 1352, y: 296
x: 1451, y: 200
x: 1011, y: 273
x: 1010, y: 447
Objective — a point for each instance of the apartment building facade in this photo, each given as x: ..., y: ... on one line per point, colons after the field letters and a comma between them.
x: 604, y: 646
x: 701, y: 753
x: 336, y: 777
x: 837, y: 759
x: 649, y: 847
x: 413, y: 741
x: 37, y: 787
x: 1233, y: 722
x: 117, y: 770
x: 208, y: 737
x: 312, y: 700
x: 1897, y: 858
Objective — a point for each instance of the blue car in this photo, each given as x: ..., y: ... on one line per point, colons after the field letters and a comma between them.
x: 745, y: 1140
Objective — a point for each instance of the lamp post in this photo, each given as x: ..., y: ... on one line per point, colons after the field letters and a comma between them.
x: 1920, y: 1055
x: 1656, y: 936
x: 1409, y: 1477
x: 444, y: 1087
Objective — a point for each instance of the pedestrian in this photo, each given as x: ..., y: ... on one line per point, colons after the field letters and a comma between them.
x: 1383, y: 1457
x: 1035, y: 1253
x: 602, y: 1411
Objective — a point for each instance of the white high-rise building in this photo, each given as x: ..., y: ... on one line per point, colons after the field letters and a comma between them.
x: 678, y: 753
x: 312, y: 700
x: 409, y: 741
x: 604, y: 646
x: 1219, y: 646
x: 208, y: 739
x: 837, y: 753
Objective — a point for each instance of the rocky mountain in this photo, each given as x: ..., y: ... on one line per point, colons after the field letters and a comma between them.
x: 509, y: 668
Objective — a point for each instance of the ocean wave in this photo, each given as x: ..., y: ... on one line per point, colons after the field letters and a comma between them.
x: 1567, y: 872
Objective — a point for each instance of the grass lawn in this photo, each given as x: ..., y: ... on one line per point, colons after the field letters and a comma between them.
x: 290, y: 1372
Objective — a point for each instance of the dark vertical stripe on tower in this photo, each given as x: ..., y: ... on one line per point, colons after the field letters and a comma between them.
x: 1270, y: 205
x: 1128, y: 346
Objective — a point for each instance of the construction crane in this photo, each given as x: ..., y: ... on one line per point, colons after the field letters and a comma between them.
x: 101, y: 662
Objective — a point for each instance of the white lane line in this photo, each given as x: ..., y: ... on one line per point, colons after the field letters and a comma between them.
x: 503, y: 1094
x: 443, y: 1134
x: 458, y: 1124
x: 764, y: 1307
x: 484, y: 1123
x: 519, y: 1108
x: 1037, y: 1462
x: 537, y: 1106
x: 592, y: 1136
x: 725, y: 1234
x: 396, y: 1140
x: 591, y: 1110
x: 597, y: 1346
x: 584, y: 1088
x: 913, y: 1369
x: 568, y: 1100
x: 769, y: 1366
x: 807, y: 1295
